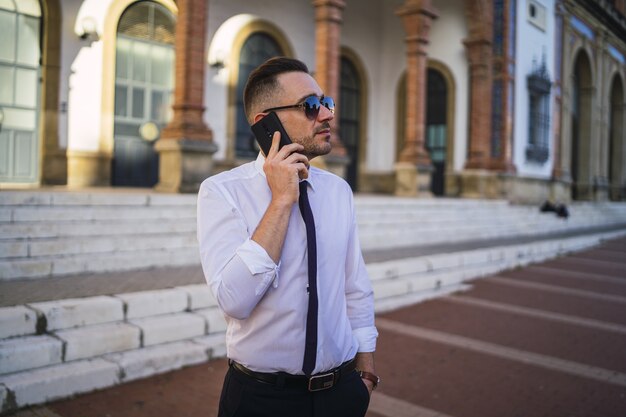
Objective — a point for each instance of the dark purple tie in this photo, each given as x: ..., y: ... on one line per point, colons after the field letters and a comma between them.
x: 310, y: 346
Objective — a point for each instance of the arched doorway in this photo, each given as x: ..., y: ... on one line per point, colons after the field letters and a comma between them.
x: 350, y: 117
x: 439, y: 126
x: 144, y: 82
x: 581, y: 128
x: 436, y: 128
x: 616, y: 138
x: 256, y: 49
x: 20, y: 72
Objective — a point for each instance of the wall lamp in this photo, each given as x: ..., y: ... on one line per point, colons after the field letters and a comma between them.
x: 89, y: 28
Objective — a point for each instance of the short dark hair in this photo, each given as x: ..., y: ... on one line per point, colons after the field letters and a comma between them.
x: 263, y: 79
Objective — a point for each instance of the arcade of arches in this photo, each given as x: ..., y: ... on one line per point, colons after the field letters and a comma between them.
x: 159, y: 137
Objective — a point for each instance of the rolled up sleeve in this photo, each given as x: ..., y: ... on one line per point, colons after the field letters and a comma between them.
x: 259, y: 263
x: 359, y: 293
x: 366, y: 336
x: 238, y: 270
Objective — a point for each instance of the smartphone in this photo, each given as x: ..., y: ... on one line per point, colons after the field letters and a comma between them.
x: 264, y: 130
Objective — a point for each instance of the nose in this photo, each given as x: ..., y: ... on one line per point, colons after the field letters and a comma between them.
x: 325, y: 114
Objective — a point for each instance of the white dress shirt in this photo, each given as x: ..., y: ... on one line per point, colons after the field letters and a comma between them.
x: 265, y: 304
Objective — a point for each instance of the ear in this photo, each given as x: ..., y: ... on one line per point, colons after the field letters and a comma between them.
x: 258, y: 117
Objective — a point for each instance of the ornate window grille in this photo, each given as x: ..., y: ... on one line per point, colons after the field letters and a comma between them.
x: 539, y: 86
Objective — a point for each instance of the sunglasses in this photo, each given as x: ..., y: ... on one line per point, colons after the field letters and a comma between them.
x: 311, y: 106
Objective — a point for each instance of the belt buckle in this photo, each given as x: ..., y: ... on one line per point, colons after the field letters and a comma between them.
x: 321, y: 382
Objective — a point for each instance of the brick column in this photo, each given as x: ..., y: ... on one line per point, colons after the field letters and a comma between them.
x: 186, y: 144
x: 479, y: 49
x: 503, y: 94
x: 479, y: 57
x: 328, y: 19
x: 414, y: 166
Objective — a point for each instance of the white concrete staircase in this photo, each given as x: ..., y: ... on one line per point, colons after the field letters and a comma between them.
x: 44, y: 234
x: 58, y: 348
x: 387, y: 223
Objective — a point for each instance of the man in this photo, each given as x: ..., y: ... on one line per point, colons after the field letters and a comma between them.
x: 296, y: 296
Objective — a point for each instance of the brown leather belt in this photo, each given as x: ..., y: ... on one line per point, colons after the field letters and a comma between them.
x: 317, y: 382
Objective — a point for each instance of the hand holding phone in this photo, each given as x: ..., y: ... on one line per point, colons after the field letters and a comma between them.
x: 264, y: 131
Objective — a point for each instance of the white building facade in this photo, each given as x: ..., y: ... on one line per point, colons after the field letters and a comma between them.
x: 470, y: 98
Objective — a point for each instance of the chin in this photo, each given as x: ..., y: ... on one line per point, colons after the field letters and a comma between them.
x: 316, y: 147
x: 324, y: 149
x: 319, y: 151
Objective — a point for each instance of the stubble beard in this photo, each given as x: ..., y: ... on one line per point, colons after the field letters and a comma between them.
x: 314, y: 147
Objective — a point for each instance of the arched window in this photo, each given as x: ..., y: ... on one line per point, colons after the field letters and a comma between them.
x: 257, y: 48
x: 144, y: 82
x: 349, y: 117
x: 20, y: 55
x: 539, y: 85
x: 438, y: 125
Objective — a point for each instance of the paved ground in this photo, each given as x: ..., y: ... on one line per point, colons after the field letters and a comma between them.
x: 547, y: 340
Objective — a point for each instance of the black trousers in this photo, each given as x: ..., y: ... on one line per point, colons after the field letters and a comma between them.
x: 243, y: 396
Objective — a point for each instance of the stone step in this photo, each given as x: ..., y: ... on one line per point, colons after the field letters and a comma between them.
x: 513, y: 218
x: 60, y: 214
x: 136, y: 198
x: 21, y: 231
x: 65, y: 220
x: 116, y: 238
x: 51, y: 316
x: 45, y: 234
x: 49, y: 266
x: 68, y: 246
x: 387, y: 217
x: 119, y: 197
x: 47, y: 230
x: 385, y: 210
x: 377, y: 201
x: 57, y: 381
x: 18, y: 237
x: 405, y: 237
x: 37, y: 221
x: 90, y: 210
x: 29, y: 352
x: 18, y: 321
x: 390, y: 212
x: 54, y: 257
x: 68, y: 339
x: 402, y: 282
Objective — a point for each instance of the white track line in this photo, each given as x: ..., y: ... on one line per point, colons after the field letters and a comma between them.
x: 544, y: 361
x: 556, y: 289
x: 577, y: 275
x: 541, y: 314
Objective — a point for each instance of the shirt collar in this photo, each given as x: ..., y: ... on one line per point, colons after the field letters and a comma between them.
x: 260, y: 160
